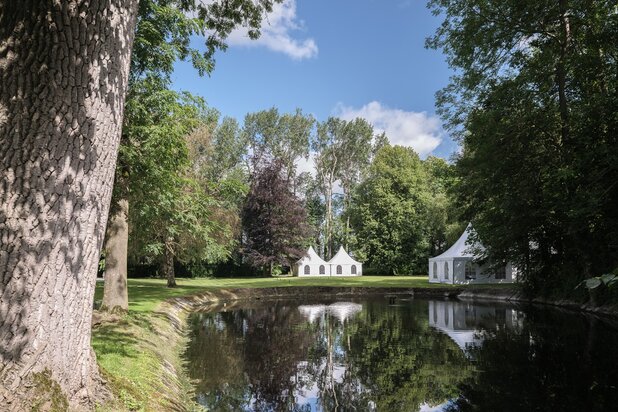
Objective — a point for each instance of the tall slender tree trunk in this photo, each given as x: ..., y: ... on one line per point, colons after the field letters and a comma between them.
x: 63, y: 77
x: 561, y: 71
x: 347, y: 233
x: 115, y: 294
x: 347, y: 220
x: 168, y: 264
x: 329, y: 220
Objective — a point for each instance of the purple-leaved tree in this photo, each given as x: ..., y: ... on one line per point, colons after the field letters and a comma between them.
x: 274, y: 220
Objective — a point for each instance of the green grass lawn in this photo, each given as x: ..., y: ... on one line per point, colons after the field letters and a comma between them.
x: 146, y: 294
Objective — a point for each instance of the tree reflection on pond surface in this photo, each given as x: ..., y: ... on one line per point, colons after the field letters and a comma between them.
x: 412, y: 355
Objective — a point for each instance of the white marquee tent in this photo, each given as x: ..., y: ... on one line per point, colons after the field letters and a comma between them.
x: 457, y: 265
x: 311, y: 265
x: 340, y: 265
x: 343, y: 265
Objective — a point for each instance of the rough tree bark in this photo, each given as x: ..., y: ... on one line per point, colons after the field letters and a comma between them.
x: 167, y: 264
x: 63, y: 77
x: 115, y: 293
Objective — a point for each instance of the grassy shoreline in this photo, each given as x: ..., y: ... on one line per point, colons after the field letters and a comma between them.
x: 138, y: 352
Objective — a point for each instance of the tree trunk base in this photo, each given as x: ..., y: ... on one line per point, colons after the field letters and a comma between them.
x: 41, y: 392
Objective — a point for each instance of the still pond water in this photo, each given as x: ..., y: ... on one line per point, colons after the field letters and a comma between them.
x: 398, y: 354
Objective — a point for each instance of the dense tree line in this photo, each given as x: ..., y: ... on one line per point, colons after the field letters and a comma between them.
x: 211, y: 193
x: 534, y: 103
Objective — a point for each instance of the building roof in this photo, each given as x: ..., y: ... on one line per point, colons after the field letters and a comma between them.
x: 461, y: 248
x: 342, y: 258
x: 311, y: 258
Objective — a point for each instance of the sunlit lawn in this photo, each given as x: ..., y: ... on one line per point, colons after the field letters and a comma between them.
x: 146, y: 294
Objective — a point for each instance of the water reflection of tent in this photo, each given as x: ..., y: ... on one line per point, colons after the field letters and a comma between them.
x: 465, y: 322
x: 312, y: 312
x: 340, y: 310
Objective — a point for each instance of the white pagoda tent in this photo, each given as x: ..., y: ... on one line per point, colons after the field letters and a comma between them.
x: 311, y: 265
x: 343, y: 265
x: 458, y: 266
x: 340, y: 265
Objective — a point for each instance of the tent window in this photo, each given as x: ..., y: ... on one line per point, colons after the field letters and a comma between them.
x: 322, y: 270
x: 353, y: 269
x: 445, y: 270
x: 435, y: 270
x: 470, y: 271
x: 501, y: 273
x: 339, y: 270
x: 307, y: 270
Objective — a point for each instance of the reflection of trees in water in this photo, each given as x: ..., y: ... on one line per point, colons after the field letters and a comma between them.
x: 400, y: 361
x: 553, y: 362
x: 271, y: 358
x: 215, y: 360
x: 276, y: 343
x: 248, y: 359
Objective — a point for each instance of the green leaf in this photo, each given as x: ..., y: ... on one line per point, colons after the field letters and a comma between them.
x: 608, y: 278
x: 593, y: 283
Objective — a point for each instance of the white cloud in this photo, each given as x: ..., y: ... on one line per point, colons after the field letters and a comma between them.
x: 276, y: 33
x: 418, y: 130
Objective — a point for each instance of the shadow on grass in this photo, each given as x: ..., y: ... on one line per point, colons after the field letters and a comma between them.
x: 112, y: 339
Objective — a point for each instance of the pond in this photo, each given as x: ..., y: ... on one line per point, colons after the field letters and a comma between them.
x: 401, y: 354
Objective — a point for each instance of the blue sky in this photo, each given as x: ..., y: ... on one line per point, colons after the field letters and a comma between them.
x: 345, y: 58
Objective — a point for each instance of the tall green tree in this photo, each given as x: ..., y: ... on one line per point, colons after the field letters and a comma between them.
x: 162, y: 37
x: 216, y: 154
x: 309, y: 190
x: 171, y: 217
x: 442, y: 219
x: 281, y: 136
x: 389, y: 212
x: 534, y: 102
x: 342, y: 151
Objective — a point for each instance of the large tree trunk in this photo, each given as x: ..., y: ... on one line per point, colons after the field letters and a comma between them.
x: 115, y: 294
x: 63, y: 76
x: 167, y: 264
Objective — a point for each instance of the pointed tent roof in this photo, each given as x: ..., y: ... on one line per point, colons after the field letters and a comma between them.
x: 342, y: 258
x: 461, y: 248
x: 311, y: 257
